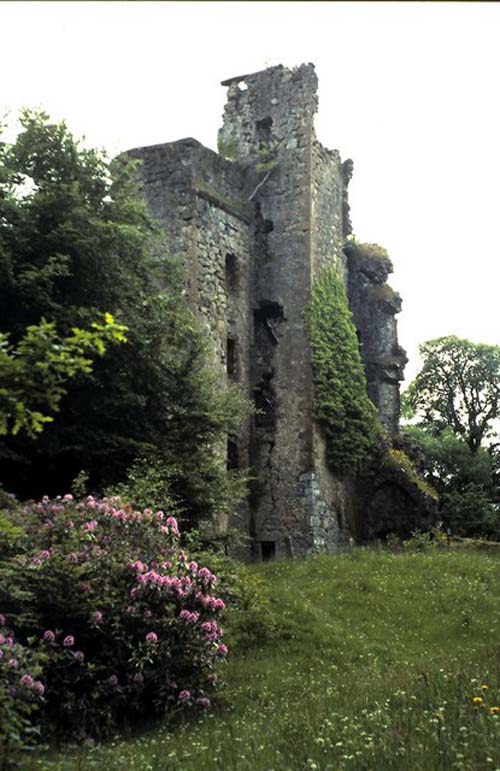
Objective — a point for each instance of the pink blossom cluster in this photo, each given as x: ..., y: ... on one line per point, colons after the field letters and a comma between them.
x: 211, y: 630
x: 191, y: 617
x: 167, y: 601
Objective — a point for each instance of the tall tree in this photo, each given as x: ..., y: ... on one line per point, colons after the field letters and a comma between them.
x: 76, y: 240
x: 458, y: 388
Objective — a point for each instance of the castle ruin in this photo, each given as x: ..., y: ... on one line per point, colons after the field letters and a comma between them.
x: 255, y: 223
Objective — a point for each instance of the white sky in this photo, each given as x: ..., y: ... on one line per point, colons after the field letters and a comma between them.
x: 409, y: 91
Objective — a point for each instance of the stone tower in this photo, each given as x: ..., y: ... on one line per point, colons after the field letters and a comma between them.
x: 255, y: 223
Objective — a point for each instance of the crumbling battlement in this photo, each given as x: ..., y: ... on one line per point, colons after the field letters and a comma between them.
x: 255, y: 224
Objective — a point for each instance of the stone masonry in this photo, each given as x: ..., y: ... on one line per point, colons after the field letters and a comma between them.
x: 255, y: 224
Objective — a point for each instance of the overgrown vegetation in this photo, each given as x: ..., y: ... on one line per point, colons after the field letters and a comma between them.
x: 400, y: 460
x: 104, y: 616
x: 341, y: 405
x: 454, y: 400
x: 467, y: 484
x: 76, y: 241
x: 384, y: 660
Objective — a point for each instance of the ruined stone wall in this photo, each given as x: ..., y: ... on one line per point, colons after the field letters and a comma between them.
x: 254, y: 225
x: 374, y: 306
x: 327, y: 194
x: 200, y: 201
x: 298, y: 504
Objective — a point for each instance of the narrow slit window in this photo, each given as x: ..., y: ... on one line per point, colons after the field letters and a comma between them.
x: 231, y: 358
x: 231, y: 268
x: 233, y: 455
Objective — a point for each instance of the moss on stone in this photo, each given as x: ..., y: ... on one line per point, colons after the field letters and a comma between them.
x: 399, y: 460
x: 384, y: 293
x: 341, y: 404
x: 231, y: 205
x: 371, y: 259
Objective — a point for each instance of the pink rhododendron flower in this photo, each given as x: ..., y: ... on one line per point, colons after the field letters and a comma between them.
x: 68, y: 497
x: 80, y: 657
x: 151, y: 637
x: 68, y: 641
x: 49, y: 635
x: 172, y: 525
x: 13, y: 664
x: 2, y: 639
x: 138, y: 678
x: 112, y: 680
x: 91, y: 525
x: 2, y: 619
x: 203, y: 702
x: 193, y: 566
x: 97, y: 616
x: 39, y: 688
x: 190, y: 617
x: 27, y: 681
x: 222, y: 650
x: 184, y: 695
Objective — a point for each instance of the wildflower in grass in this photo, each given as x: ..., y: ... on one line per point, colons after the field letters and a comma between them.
x: 68, y: 641
x: 151, y: 637
x: 494, y: 710
x: 477, y: 700
x: 484, y: 687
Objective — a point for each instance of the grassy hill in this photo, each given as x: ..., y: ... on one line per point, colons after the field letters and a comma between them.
x: 375, y: 663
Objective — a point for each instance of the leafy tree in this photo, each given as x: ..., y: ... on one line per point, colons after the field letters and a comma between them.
x: 465, y: 481
x: 458, y: 388
x: 76, y: 240
x: 33, y: 376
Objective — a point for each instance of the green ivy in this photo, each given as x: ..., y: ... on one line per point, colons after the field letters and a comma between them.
x: 341, y: 404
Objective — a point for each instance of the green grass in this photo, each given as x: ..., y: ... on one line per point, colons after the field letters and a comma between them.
x: 375, y: 666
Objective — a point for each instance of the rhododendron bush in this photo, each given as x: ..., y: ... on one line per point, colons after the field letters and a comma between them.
x: 121, y: 623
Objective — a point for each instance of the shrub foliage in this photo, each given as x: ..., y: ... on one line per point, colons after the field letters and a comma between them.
x: 120, y: 624
x: 76, y: 241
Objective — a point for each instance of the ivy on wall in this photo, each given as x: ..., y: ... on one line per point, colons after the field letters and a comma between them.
x: 341, y: 405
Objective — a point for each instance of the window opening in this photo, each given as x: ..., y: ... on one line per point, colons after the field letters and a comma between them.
x: 231, y: 268
x: 231, y: 357
x: 233, y: 455
x: 268, y: 550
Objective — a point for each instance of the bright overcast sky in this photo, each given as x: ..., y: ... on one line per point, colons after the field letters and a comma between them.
x: 409, y: 91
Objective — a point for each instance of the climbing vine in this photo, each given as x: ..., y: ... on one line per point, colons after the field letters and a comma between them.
x: 341, y: 404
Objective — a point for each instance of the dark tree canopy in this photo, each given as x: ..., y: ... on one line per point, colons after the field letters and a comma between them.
x: 458, y: 388
x: 76, y: 241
